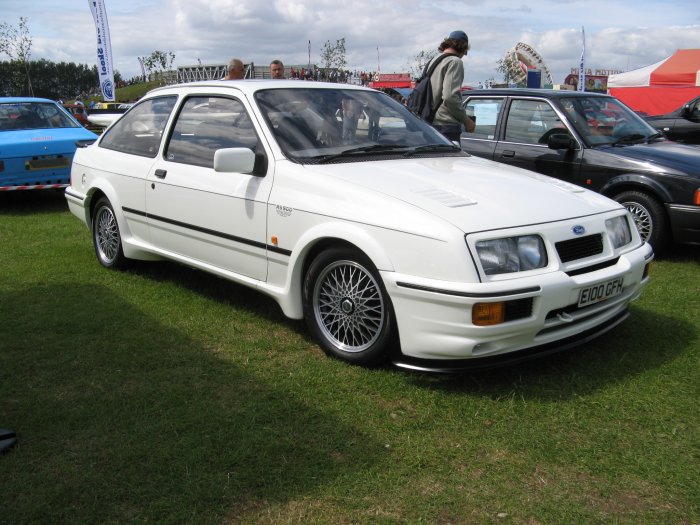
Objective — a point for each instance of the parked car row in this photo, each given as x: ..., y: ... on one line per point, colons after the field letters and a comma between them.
x: 353, y: 214
x: 594, y: 141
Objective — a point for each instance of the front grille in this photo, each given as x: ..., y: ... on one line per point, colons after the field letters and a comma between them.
x: 594, y: 267
x: 580, y: 248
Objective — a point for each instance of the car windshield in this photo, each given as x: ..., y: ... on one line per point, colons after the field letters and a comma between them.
x: 336, y: 125
x: 606, y: 121
x: 33, y: 115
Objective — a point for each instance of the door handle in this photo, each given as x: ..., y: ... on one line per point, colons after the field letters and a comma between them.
x: 508, y: 153
x: 161, y: 174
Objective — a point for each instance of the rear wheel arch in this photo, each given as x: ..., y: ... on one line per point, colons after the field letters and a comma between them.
x: 107, y: 235
x: 91, y: 202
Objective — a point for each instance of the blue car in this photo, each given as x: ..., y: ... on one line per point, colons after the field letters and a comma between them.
x: 37, y: 141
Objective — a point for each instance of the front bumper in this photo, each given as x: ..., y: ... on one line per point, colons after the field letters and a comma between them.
x: 435, y: 318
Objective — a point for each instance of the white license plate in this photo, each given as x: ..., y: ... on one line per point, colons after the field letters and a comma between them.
x: 600, y: 292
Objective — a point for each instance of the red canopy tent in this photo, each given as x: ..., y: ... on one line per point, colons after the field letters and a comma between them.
x: 662, y: 87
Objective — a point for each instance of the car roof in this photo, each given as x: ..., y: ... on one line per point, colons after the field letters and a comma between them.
x: 14, y: 100
x: 531, y: 92
x: 250, y: 86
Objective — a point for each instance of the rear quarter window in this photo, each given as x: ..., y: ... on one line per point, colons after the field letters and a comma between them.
x: 486, y: 112
x: 139, y: 131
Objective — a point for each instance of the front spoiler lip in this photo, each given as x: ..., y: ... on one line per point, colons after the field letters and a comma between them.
x: 452, y: 366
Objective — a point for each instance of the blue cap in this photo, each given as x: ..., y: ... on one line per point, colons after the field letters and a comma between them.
x: 459, y: 35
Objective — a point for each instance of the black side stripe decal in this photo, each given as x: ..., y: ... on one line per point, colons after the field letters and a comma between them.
x: 234, y: 238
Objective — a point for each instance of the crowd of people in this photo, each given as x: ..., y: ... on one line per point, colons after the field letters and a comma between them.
x: 236, y: 70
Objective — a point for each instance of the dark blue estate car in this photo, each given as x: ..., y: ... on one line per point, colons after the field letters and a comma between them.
x: 595, y: 141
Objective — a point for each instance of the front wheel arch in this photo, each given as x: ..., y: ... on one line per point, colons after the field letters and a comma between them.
x: 347, y: 308
x: 649, y: 217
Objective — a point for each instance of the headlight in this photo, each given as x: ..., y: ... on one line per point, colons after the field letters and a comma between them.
x: 512, y: 254
x: 618, y: 231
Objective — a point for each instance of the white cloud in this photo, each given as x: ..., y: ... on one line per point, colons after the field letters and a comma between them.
x: 617, y: 36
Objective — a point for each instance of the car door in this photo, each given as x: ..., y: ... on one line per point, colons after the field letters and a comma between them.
x: 134, y: 141
x: 528, y: 124
x: 196, y: 213
x: 486, y: 113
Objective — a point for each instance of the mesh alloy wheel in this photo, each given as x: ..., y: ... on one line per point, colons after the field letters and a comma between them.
x: 347, y: 308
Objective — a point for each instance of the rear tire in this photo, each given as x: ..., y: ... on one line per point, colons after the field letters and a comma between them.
x: 106, y: 236
x: 346, y: 307
x: 649, y: 217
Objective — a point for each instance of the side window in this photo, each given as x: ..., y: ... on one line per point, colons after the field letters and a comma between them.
x: 695, y: 110
x: 530, y: 122
x: 485, y: 112
x: 139, y: 131
x: 206, y: 124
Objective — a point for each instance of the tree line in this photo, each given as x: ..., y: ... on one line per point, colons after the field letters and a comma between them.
x: 48, y: 79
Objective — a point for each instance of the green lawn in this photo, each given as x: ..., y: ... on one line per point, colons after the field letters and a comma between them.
x: 165, y: 395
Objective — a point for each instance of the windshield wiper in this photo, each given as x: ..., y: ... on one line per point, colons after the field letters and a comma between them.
x: 632, y: 138
x: 432, y: 147
x: 655, y: 136
x: 375, y: 148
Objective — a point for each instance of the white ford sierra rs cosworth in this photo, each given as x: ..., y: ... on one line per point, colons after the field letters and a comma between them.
x: 355, y: 215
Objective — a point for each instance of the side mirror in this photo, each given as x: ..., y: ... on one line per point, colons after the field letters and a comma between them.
x: 234, y: 160
x: 686, y: 112
x: 560, y: 141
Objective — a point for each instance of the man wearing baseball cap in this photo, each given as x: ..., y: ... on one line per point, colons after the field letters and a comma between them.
x: 446, y: 82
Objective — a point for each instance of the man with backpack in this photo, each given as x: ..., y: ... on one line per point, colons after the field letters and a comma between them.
x: 446, y: 82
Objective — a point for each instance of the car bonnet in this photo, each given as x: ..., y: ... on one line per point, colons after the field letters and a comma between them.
x: 473, y: 193
x: 666, y: 155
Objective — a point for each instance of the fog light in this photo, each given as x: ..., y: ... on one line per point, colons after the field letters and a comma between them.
x: 488, y: 314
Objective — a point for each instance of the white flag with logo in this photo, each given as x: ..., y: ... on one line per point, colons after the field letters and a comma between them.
x: 582, y: 65
x: 105, y: 68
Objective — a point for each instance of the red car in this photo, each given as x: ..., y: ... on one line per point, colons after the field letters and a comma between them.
x: 79, y: 113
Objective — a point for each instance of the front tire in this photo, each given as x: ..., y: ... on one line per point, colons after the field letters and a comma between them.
x: 347, y: 308
x: 106, y: 236
x: 649, y: 217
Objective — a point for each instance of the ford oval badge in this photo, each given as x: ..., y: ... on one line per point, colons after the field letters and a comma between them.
x: 578, y: 230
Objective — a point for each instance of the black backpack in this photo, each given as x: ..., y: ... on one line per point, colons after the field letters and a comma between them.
x: 420, y: 101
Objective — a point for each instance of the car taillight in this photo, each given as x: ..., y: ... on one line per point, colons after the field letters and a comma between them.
x: 696, y: 200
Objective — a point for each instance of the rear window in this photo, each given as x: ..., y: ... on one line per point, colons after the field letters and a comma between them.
x: 33, y: 115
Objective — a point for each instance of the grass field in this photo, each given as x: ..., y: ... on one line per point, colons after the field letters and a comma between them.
x: 165, y: 395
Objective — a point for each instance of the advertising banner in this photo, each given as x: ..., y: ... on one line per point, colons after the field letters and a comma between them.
x: 582, y: 64
x: 105, y: 68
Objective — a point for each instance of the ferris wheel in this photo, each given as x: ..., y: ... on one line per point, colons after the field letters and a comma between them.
x: 521, y: 58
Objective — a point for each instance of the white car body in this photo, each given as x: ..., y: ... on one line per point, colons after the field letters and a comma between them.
x: 417, y: 220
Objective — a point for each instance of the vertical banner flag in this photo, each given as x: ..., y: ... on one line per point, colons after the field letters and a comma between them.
x: 582, y: 65
x: 104, y: 49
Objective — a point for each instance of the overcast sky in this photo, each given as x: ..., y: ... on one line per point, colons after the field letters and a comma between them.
x: 620, y: 34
